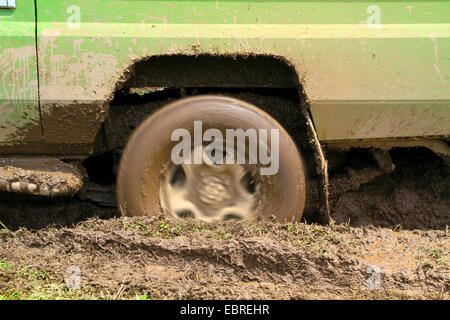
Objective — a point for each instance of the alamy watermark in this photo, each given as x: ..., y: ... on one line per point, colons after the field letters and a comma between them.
x: 73, y: 281
x: 74, y: 19
x: 230, y: 148
x: 374, y: 20
x: 374, y: 281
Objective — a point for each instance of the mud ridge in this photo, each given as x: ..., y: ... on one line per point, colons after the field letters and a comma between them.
x: 167, y: 259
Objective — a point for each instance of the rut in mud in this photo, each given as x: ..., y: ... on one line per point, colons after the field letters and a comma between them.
x: 163, y: 259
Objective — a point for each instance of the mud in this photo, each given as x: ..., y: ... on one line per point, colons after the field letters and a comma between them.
x: 388, y: 236
x: 264, y: 260
x: 416, y: 195
x: 40, y: 176
x: 37, y: 212
x: 367, y: 252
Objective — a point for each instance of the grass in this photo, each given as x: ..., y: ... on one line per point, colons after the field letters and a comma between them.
x: 434, y: 254
x: 27, y: 283
x: 430, y: 258
x: 5, y: 265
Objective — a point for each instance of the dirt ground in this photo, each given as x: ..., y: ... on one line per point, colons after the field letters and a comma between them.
x: 389, y: 239
x: 154, y: 258
x: 416, y: 195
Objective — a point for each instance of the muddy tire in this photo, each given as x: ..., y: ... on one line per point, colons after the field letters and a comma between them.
x: 149, y: 182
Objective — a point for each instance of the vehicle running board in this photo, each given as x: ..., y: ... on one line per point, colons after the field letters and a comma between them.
x: 40, y: 176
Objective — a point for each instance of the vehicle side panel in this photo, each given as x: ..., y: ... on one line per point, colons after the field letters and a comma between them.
x: 388, y: 78
x: 19, y: 107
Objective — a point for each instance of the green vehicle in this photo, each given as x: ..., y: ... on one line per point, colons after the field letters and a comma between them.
x: 93, y: 90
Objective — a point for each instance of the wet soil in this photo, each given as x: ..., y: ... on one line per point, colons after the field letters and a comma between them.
x: 416, y: 195
x: 164, y: 259
x: 389, y: 239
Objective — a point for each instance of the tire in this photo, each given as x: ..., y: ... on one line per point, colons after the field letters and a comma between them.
x: 146, y: 175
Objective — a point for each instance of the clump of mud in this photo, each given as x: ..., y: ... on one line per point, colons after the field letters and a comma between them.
x: 416, y: 195
x: 165, y: 259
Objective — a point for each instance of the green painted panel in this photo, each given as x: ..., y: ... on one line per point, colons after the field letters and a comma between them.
x: 19, y: 108
x: 403, y: 55
x: 352, y: 120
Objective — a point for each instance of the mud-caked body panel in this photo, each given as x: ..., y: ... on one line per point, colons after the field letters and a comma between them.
x: 19, y: 107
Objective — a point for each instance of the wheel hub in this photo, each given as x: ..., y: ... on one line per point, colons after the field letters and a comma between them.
x: 214, y: 190
x: 210, y: 191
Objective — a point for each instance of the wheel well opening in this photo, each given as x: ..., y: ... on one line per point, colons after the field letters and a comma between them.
x: 206, y: 70
x: 268, y: 82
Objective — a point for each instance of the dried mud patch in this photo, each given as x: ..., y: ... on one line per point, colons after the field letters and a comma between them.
x: 164, y: 259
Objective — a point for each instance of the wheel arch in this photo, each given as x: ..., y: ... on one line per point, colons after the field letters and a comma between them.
x: 230, y: 71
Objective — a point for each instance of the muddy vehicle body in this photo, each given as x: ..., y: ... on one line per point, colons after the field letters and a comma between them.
x: 78, y: 78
